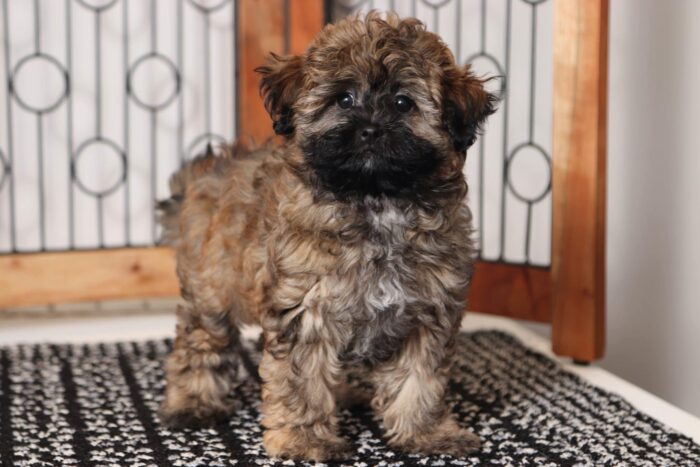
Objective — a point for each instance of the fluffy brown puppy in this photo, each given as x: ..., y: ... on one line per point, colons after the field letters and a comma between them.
x: 350, y: 244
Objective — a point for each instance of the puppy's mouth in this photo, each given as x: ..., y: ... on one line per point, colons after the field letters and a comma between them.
x: 397, y: 164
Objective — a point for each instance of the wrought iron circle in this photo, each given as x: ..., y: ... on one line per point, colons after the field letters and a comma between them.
x: 510, y: 177
x: 55, y: 101
x: 113, y: 149
x: 153, y: 57
x: 436, y: 3
x: 208, y: 137
x: 102, y: 6
x: 204, y: 8
x: 491, y: 59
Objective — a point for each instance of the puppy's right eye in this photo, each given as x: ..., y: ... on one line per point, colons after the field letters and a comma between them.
x: 345, y: 100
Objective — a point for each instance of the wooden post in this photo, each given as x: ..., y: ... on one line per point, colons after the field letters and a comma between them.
x: 306, y: 19
x: 261, y: 30
x: 578, y: 178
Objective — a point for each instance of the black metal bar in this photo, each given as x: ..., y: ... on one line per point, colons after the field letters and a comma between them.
x: 100, y: 222
x: 41, y: 185
x: 154, y: 26
x: 40, y: 140
x: 506, y: 99
x: 436, y: 17
x: 154, y: 127
x: 533, y: 65
x: 528, y: 230
x: 126, y: 129
x: 236, y: 110
x: 458, y: 32
x: 98, y: 117
x: 10, y: 152
x: 482, y: 191
x: 483, y: 26
x: 37, y: 28
x: 69, y: 124
x: 531, y: 129
x: 207, y: 72
x: 98, y: 75
x: 154, y: 173
x: 180, y: 33
x: 482, y: 159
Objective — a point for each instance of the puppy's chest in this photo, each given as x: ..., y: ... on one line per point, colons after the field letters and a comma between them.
x: 381, y: 295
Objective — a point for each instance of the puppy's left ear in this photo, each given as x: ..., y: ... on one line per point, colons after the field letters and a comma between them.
x: 466, y: 104
x: 282, y: 79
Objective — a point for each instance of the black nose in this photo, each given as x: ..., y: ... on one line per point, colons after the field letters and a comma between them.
x: 369, y: 133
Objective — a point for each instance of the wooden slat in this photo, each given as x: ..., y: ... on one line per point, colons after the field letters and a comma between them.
x: 578, y: 178
x: 39, y: 279
x: 519, y: 292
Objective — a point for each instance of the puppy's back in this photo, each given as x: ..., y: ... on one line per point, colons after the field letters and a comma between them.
x: 203, y: 181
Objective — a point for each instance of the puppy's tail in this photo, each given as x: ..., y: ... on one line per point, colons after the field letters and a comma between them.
x: 168, y: 210
x: 168, y: 214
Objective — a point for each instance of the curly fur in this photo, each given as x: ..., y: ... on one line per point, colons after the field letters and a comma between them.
x: 341, y: 273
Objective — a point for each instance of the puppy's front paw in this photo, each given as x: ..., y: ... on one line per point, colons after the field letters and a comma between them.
x: 302, y: 444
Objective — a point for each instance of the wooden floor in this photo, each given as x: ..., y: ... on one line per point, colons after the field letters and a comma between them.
x: 115, y: 326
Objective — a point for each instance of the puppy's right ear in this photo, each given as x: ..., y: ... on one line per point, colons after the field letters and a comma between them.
x: 282, y: 79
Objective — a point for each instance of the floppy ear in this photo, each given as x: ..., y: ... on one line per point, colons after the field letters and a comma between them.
x: 466, y: 104
x: 282, y: 79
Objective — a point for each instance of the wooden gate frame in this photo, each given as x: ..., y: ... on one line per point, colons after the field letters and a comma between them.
x: 570, y: 294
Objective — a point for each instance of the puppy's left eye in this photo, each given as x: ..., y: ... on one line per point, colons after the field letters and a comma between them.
x: 403, y: 104
x: 345, y: 100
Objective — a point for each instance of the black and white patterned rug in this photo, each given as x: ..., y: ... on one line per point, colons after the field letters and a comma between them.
x: 95, y: 405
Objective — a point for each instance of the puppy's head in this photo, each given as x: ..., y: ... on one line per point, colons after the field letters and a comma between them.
x: 377, y: 107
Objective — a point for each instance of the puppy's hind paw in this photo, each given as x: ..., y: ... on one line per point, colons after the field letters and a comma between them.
x: 194, y: 416
x: 460, y: 443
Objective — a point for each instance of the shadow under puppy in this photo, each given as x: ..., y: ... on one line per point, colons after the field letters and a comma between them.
x: 350, y: 244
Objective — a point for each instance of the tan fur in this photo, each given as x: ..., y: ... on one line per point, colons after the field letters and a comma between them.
x: 258, y: 241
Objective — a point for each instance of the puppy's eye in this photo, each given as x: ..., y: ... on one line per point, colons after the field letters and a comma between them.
x: 345, y: 100
x: 403, y: 104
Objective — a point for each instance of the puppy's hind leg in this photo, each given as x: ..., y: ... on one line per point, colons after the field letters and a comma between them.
x: 201, y: 369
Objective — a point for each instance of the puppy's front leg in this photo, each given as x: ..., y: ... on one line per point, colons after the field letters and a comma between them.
x: 299, y: 407
x: 410, y: 397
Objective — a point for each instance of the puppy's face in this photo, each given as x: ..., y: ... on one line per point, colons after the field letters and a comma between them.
x: 377, y: 107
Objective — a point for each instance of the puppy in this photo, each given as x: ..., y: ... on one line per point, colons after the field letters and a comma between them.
x: 350, y: 245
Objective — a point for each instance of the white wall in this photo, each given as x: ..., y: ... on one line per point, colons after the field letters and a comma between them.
x: 654, y: 198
